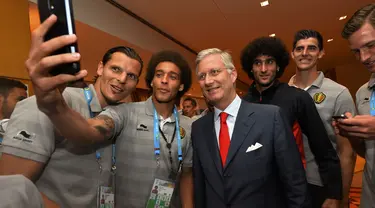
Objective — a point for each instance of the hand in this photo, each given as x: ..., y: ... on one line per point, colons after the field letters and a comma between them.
x: 331, y: 203
x: 361, y: 126
x: 47, y: 88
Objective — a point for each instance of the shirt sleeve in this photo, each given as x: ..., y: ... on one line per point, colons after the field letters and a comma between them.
x: 119, y: 114
x: 29, y: 134
x: 344, y: 103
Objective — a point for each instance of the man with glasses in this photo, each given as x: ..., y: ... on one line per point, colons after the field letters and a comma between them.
x: 331, y: 99
x: 264, y: 60
x: 360, y: 32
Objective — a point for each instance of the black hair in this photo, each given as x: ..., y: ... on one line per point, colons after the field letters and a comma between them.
x: 175, y: 58
x: 129, y: 52
x: 192, y: 100
x: 305, y: 34
x: 269, y: 46
x: 6, y: 85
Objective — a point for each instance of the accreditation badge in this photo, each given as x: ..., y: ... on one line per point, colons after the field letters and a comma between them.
x: 106, y: 197
x: 161, y: 194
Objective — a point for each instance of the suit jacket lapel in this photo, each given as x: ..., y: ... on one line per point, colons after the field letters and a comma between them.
x: 210, y: 137
x: 242, y: 127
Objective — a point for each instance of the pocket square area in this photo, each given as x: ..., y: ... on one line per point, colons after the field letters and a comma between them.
x: 254, y: 147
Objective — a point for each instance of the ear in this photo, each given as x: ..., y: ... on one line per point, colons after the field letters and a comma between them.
x: 292, y: 54
x: 151, y: 84
x: 100, y: 69
x: 321, y: 54
x: 181, y: 87
x: 233, y: 75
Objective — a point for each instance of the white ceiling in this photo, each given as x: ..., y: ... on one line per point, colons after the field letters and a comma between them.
x: 231, y: 24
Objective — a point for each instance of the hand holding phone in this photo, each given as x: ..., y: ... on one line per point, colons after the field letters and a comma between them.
x: 342, y: 116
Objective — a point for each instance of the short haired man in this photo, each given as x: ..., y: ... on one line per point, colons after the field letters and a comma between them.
x: 189, y: 107
x: 244, y: 154
x: 331, y: 99
x: 264, y: 60
x: 360, y: 32
x: 11, y: 92
x: 152, y: 139
x: 66, y: 173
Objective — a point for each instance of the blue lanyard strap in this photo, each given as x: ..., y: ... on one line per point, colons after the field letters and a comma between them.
x: 88, y: 97
x: 372, y: 103
x: 157, y: 135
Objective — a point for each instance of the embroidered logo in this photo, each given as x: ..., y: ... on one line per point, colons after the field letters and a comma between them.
x: 142, y: 127
x: 25, y: 136
x: 319, y: 97
x: 182, y: 132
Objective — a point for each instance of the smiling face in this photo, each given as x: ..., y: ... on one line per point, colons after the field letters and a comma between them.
x: 307, y: 53
x: 362, y: 44
x: 117, y: 78
x: 166, y: 82
x: 216, y: 81
x: 264, y: 70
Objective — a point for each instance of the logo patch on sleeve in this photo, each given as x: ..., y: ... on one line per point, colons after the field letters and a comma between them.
x: 319, y: 97
x: 25, y: 136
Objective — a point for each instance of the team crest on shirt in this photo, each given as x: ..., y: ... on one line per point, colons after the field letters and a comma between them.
x: 319, y: 97
x: 182, y: 132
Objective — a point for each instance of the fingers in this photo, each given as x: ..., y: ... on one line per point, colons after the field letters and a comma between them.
x: 61, y: 79
x: 47, y: 63
x: 45, y: 26
x: 349, y: 115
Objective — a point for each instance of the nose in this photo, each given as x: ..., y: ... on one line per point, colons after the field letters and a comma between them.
x: 263, y: 67
x: 208, y: 80
x: 304, y: 51
x: 122, y: 77
x: 164, y: 79
x: 364, y: 55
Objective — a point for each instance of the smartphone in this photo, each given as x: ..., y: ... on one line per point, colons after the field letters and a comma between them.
x: 342, y: 116
x: 64, y: 25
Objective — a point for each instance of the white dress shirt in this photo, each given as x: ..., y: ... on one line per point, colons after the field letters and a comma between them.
x: 232, y: 111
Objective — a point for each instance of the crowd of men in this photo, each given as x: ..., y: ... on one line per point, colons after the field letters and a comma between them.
x: 277, y: 147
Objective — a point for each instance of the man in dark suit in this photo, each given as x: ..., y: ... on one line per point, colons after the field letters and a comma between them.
x: 244, y: 154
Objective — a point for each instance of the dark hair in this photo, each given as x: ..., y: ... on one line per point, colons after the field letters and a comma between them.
x: 269, y: 46
x: 192, y: 100
x: 175, y: 58
x: 129, y: 52
x: 6, y: 85
x: 305, y: 34
x: 359, y: 18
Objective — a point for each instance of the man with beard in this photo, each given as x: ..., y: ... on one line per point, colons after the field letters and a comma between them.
x: 152, y: 139
x: 11, y: 92
x: 331, y: 99
x: 264, y: 60
x: 360, y: 32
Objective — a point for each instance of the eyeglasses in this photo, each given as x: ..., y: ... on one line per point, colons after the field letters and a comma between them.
x: 212, y: 73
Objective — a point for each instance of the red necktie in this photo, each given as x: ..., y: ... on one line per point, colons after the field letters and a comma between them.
x: 224, y: 140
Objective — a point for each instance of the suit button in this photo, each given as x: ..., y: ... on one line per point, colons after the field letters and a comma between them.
x: 227, y: 175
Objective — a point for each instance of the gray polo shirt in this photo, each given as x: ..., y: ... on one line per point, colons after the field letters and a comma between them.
x: 368, y: 181
x: 18, y: 192
x: 136, y: 163
x: 71, y: 175
x: 330, y: 99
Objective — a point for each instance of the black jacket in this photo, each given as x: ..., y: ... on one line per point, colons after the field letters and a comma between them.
x: 297, y: 105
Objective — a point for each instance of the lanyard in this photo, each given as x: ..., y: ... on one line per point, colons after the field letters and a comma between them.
x: 372, y: 104
x: 88, y: 97
x: 157, y: 136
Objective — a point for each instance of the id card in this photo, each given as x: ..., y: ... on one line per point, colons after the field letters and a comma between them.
x: 160, y: 194
x: 106, y: 197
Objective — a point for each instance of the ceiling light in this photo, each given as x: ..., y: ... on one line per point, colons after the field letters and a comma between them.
x: 273, y: 35
x: 342, y: 18
x: 264, y: 3
x: 330, y: 40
